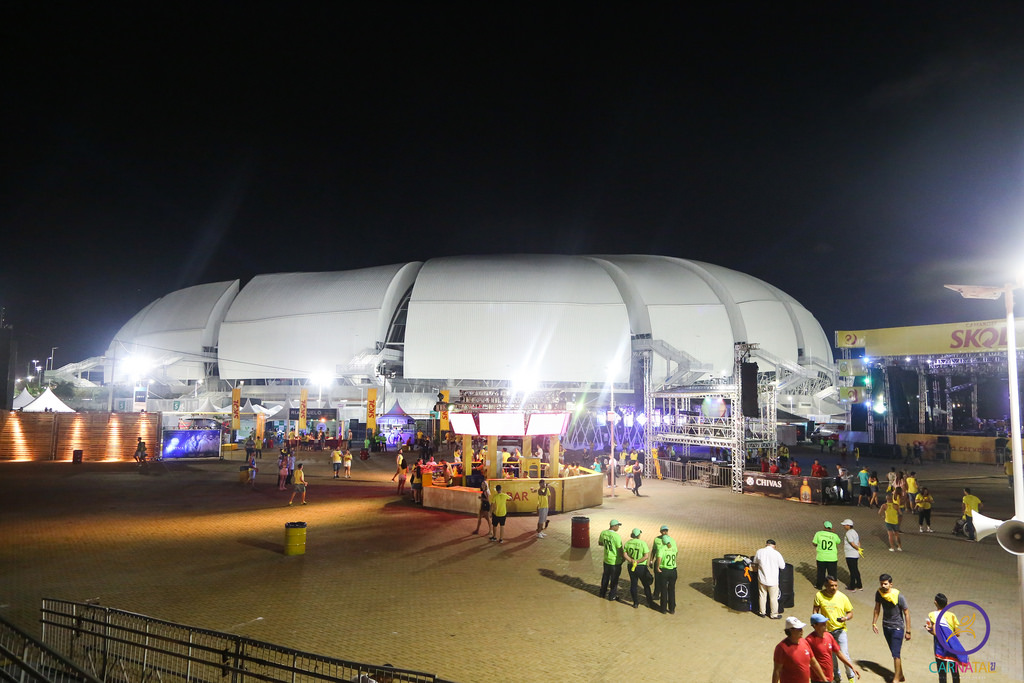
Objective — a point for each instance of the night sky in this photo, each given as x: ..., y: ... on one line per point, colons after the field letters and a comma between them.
x: 856, y: 155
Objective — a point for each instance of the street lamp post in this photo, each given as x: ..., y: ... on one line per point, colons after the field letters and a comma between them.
x: 1006, y: 291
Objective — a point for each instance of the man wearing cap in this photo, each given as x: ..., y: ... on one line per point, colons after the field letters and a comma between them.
x: 663, y: 556
x: 636, y: 554
x: 794, y: 661
x: 824, y: 648
x: 769, y: 563
x: 838, y: 611
x: 852, y: 552
x: 827, y: 543
x: 612, y: 544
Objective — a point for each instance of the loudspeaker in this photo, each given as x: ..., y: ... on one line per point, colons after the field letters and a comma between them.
x: 748, y: 399
x: 985, y: 526
x: 1011, y: 536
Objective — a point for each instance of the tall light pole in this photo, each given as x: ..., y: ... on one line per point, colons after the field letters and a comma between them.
x: 1006, y: 291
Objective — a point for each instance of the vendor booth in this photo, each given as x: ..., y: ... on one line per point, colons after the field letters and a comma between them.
x: 396, y: 426
x: 569, y: 493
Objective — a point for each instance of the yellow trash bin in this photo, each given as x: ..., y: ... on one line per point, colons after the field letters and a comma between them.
x: 295, y: 538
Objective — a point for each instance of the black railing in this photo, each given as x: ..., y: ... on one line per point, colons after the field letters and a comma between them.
x: 26, y: 660
x: 114, y: 645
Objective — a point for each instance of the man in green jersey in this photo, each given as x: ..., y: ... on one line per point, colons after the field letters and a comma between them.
x: 612, y: 544
x: 636, y: 554
x: 827, y: 543
x: 663, y: 556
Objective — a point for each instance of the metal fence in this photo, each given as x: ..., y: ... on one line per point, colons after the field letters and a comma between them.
x: 25, y: 660
x: 114, y: 645
x: 708, y: 474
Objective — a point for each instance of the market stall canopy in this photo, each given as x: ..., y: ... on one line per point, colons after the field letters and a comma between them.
x: 22, y: 399
x: 47, y: 402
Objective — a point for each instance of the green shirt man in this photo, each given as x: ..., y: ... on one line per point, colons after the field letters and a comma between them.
x: 636, y: 552
x: 612, y: 544
x: 827, y: 543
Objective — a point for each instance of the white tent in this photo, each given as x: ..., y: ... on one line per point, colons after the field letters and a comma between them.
x: 47, y: 402
x: 208, y: 407
x: 23, y: 399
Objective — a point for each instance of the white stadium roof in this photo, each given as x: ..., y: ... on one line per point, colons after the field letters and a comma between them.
x: 520, y: 318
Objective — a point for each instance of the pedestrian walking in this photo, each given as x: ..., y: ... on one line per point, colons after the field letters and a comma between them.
x: 793, y: 659
x: 873, y: 501
x: 542, y: 507
x: 402, y: 476
x: 298, y: 484
x: 826, y: 650
x: 971, y: 504
x: 637, y: 555
x: 895, y: 621
x: 947, y: 647
x: 336, y: 462
x: 347, y: 463
x: 613, y: 557
x: 827, y: 556
x: 638, y: 477
x: 769, y: 563
x: 282, y: 471
x: 838, y: 611
x: 864, y: 486
x: 892, y: 515
x: 291, y: 467
x: 924, y: 502
x: 485, y: 510
x: 852, y: 552
x: 499, y: 511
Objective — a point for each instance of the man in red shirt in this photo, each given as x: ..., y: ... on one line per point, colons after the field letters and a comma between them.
x: 793, y: 660
x: 794, y: 469
x: 817, y: 470
x: 774, y: 469
x: 824, y: 646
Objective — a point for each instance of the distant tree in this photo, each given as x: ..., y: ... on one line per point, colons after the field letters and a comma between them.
x: 64, y: 391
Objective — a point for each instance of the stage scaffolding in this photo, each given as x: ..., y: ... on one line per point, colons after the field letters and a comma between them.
x: 684, y: 422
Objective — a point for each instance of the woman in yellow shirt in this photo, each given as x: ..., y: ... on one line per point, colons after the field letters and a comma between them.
x: 890, y: 511
x: 924, y: 502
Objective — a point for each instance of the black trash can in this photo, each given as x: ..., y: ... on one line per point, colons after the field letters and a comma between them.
x: 787, y: 597
x: 720, y: 579
x: 581, y: 532
x: 740, y: 587
x: 76, y: 456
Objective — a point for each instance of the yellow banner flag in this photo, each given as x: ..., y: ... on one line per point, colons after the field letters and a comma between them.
x: 371, y: 409
x: 236, y: 407
x: 303, y: 400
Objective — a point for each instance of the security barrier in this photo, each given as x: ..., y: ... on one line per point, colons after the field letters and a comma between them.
x: 24, y: 659
x: 114, y: 645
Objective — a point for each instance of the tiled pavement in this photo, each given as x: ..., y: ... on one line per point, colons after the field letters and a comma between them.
x: 384, y: 581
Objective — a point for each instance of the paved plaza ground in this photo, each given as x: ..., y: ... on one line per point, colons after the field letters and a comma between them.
x: 384, y: 581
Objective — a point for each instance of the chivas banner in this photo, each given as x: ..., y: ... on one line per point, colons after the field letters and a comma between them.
x: 925, y: 340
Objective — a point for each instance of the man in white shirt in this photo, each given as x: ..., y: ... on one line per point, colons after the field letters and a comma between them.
x: 769, y: 563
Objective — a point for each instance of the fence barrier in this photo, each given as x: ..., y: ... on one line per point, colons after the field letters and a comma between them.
x: 26, y: 660
x: 709, y: 474
x: 114, y: 645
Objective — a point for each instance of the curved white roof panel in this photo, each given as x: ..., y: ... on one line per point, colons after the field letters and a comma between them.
x: 518, y: 318
x: 167, y: 338
x: 299, y: 324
